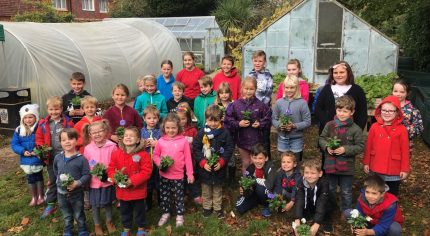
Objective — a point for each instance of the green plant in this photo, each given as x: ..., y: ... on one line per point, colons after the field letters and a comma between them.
x: 303, y: 229
x: 246, y: 115
x: 278, y: 79
x: 76, y: 101
x: 357, y: 220
x: 213, y: 159
x: 120, y: 131
x: 376, y: 86
x: 247, y: 182
x: 43, y: 11
x: 66, y: 180
x: 120, y: 178
x: 276, y: 202
x: 99, y: 170
x: 333, y: 143
x: 42, y: 151
x: 165, y: 163
x: 285, y: 119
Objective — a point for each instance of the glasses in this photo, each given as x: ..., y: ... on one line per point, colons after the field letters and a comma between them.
x: 388, y: 111
x: 97, y: 132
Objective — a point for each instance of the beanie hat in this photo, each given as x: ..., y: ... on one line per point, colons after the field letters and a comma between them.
x: 29, y: 109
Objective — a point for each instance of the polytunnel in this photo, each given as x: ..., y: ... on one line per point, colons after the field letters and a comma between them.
x: 42, y: 56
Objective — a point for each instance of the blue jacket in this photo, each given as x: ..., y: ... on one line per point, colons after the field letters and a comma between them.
x: 156, y: 99
x: 165, y: 88
x: 20, y: 144
x: 77, y: 166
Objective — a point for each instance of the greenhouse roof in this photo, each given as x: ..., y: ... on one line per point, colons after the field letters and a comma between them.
x: 188, y: 27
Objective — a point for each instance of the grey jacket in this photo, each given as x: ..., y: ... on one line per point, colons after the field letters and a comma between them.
x: 77, y: 166
x: 299, y: 113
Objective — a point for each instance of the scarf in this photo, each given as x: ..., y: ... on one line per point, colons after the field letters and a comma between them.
x: 209, y: 134
x: 340, y: 126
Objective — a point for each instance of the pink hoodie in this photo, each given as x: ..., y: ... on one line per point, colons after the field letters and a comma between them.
x: 179, y: 150
x: 96, y: 155
x: 304, y: 90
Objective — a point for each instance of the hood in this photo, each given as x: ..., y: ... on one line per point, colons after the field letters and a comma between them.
x: 211, y: 94
x: 138, y: 148
x: 233, y: 73
x: 395, y: 101
x: 177, y: 137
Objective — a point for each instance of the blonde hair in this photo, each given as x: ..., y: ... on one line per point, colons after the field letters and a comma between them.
x: 249, y: 79
x: 86, y: 136
x: 292, y: 80
x: 187, y: 106
x: 150, y: 78
x: 312, y: 163
x: 54, y: 101
x: 223, y: 88
x: 172, y: 117
x: 289, y: 154
x: 123, y: 87
x: 151, y: 109
x: 89, y: 100
x: 179, y: 85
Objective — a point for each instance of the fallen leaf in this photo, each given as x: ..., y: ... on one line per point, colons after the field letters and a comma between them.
x: 16, y: 229
x: 169, y: 230
x: 54, y: 220
x: 25, y: 221
x: 425, y: 222
x: 426, y: 232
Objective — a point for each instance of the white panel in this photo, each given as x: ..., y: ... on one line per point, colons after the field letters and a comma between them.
x: 382, y: 55
x: 305, y: 10
x: 306, y: 58
x: 302, y: 33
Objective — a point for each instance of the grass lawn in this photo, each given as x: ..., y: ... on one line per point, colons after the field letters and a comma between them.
x: 16, y: 218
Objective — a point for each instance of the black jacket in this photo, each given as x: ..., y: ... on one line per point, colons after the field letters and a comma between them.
x: 269, y: 172
x: 67, y: 98
x: 222, y: 145
x: 286, y: 184
x: 172, y: 104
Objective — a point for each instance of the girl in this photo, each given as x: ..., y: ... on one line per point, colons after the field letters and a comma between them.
x: 102, y: 192
x: 190, y: 76
x: 294, y: 107
x: 174, y: 145
x: 134, y: 162
x: 295, y: 68
x: 187, y: 106
x: 23, y: 142
x: 89, y: 105
x: 223, y: 96
x: 246, y: 118
x: 340, y: 82
x: 120, y: 114
x: 412, y: 117
x: 228, y: 74
x: 166, y: 79
x: 151, y: 96
x: 387, y: 148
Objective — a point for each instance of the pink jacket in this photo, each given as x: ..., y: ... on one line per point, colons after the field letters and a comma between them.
x: 179, y: 150
x: 96, y: 155
x: 304, y: 90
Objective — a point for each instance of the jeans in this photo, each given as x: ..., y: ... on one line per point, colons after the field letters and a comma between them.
x: 290, y: 144
x: 51, y: 192
x: 345, y: 184
x: 258, y: 196
x: 394, y: 230
x: 72, y: 207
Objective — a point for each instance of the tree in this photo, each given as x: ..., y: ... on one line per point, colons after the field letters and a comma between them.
x: 129, y: 8
x: 234, y: 14
x: 44, y: 12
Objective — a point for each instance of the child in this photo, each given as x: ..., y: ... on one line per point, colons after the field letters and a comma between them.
x: 187, y: 106
x: 140, y: 87
x: 71, y: 196
x: 387, y: 148
x: 381, y: 206
x: 228, y: 74
x: 151, y: 134
x: 412, y: 117
x: 89, y: 106
x: 264, y: 88
x: 177, y: 97
x: 223, y: 96
x: 77, y: 82
x: 151, y: 96
x: 263, y: 171
x: 286, y: 178
x: 312, y: 197
x: 247, y: 131
x: 190, y: 76
x: 102, y: 192
x: 48, y: 133
x: 295, y: 68
x: 120, y: 114
x: 136, y: 164
x: 292, y: 106
x: 174, y: 145
x: 212, y: 140
x: 339, y: 162
x: 166, y: 79
x: 204, y: 100
x: 23, y: 143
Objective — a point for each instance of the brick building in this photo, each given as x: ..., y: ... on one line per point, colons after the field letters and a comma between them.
x: 82, y: 10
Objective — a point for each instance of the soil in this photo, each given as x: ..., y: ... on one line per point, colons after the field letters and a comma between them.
x: 9, y: 161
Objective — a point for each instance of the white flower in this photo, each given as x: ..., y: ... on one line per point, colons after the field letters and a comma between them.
x: 121, y: 185
x: 368, y: 218
x: 294, y: 225
x: 64, y: 177
x: 355, y: 213
x: 303, y: 220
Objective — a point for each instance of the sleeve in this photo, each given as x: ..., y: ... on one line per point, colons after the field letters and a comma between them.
x: 404, y: 150
x: 266, y: 117
x: 163, y: 109
x: 274, y: 184
x: 322, y: 202
x: 306, y: 118
x: 228, y: 149
x: 386, y: 220
x: 230, y: 120
x: 321, y: 109
x: 85, y: 173
x: 112, y: 164
x: 270, y: 178
x: 300, y: 201
x: 360, y: 108
x: 280, y: 92
x: 275, y: 116
x: 417, y: 123
x: 322, y: 140
x: 66, y: 103
x: 138, y: 105
x: 369, y: 145
x: 197, y: 150
x: 188, y: 160
x: 304, y: 91
x: 357, y: 147
x: 156, y: 154
x: 16, y: 144
x: 54, y: 166
x: 40, y: 140
x: 145, y: 170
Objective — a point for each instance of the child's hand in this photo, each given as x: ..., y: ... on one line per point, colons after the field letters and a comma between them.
x: 314, y: 229
x: 256, y: 124
x: 288, y: 206
x: 115, y: 138
x: 73, y: 185
x: 241, y: 190
x: 217, y: 167
x: 403, y: 175
x: 27, y: 153
x: 244, y: 123
x: 366, y: 169
x: 330, y: 151
x: 153, y: 142
x: 290, y: 126
x: 208, y: 167
x: 283, y: 127
x: 360, y: 232
x: 191, y: 179
x: 339, y: 151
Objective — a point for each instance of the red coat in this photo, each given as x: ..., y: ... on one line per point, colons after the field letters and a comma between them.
x: 378, y: 210
x: 387, y: 148
x: 138, y: 168
x: 190, y: 131
x: 233, y: 80
x: 191, y: 81
x: 79, y: 126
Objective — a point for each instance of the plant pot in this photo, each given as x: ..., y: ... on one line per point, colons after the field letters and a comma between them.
x: 164, y: 168
x: 76, y: 107
x: 104, y: 177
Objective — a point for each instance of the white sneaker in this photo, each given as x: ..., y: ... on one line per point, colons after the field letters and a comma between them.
x: 179, y: 221
x: 164, y: 218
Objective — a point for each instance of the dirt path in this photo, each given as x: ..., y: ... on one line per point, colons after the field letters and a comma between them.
x: 9, y: 161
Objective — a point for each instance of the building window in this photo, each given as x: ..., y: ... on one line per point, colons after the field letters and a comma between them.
x: 60, y: 4
x: 103, y: 5
x: 88, y: 5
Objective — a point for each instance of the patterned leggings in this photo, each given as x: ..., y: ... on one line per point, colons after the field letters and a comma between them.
x: 172, y: 190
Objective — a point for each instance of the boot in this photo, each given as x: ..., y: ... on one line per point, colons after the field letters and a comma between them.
x: 40, y: 192
x: 33, y: 191
x: 98, y: 230
x: 231, y: 175
x: 110, y: 227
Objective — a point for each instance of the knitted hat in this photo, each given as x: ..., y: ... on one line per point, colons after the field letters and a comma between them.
x: 29, y: 109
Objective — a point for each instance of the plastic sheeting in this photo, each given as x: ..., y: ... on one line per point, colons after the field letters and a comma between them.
x: 42, y: 56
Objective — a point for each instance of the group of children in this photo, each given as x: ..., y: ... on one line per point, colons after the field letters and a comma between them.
x: 198, y: 130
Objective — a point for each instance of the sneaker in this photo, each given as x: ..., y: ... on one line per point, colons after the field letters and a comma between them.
x: 179, y: 221
x: 206, y: 213
x: 164, y: 218
x: 266, y: 212
x: 141, y: 232
x: 83, y: 233
x: 67, y: 233
x: 49, y: 210
x: 125, y: 233
x: 198, y: 200
x: 327, y: 228
x: 220, y: 214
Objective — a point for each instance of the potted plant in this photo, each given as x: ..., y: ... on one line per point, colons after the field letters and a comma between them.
x: 285, y: 119
x: 246, y: 115
x: 119, y: 131
x: 333, y: 143
x: 99, y: 170
x: 42, y: 151
x: 120, y: 178
x: 358, y: 221
x: 247, y: 183
x: 66, y: 180
x: 212, y: 160
x: 276, y: 202
x: 303, y: 229
x: 76, y: 102
x: 165, y: 163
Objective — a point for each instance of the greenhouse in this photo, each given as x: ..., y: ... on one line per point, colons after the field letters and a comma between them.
x: 319, y: 33
x: 42, y: 56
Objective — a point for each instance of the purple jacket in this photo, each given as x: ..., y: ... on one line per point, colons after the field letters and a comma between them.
x: 247, y: 137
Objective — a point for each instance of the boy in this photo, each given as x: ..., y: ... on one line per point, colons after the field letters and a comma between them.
x: 263, y: 171
x: 47, y: 133
x: 264, y: 87
x: 77, y: 82
x: 71, y: 195
x: 206, y: 97
x: 228, y: 74
x: 178, y: 97
x: 151, y: 133
x: 212, y: 140
x: 140, y: 87
x: 381, y: 206
x: 151, y: 96
x: 312, y: 197
x: 339, y: 161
